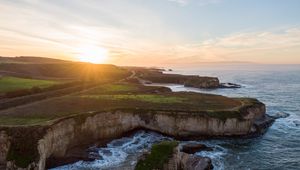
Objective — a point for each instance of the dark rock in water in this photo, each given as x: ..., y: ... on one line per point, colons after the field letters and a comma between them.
x: 281, y: 115
x: 192, y: 148
x: 94, y: 156
x: 192, y: 162
x: 92, y: 149
x: 229, y: 85
x: 107, y: 152
x: 261, y: 125
x: 69, y: 159
x: 297, y: 122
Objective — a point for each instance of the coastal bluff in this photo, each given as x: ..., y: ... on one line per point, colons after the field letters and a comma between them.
x: 55, y: 139
x: 149, y: 76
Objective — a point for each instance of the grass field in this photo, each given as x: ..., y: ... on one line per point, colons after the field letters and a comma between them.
x: 118, y: 88
x: 123, y: 89
x: 151, y: 98
x: 120, y: 96
x: 14, y: 83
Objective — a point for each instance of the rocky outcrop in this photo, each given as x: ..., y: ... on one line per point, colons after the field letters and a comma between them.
x: 281, y: 115
x: 184, y: 161
x: 192, y: 162
x: 229, y: 85
x: 296, y: 122
x: 202, y: 82
x: 85, y: 129
x: 186, y: 80
x: 157, y: 76
x: 174, y: 162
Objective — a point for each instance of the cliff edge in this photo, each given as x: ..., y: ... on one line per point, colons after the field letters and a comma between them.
x: 36, y: 132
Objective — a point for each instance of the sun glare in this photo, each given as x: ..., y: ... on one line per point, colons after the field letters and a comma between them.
x: 92, y: 54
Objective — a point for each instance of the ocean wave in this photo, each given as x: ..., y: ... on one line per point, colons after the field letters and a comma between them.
x: 123, y: 150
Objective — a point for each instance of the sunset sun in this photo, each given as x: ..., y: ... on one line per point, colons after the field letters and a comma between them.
x: 92, y: 54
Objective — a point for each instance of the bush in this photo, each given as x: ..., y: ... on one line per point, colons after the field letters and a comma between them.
x: 160, y: 153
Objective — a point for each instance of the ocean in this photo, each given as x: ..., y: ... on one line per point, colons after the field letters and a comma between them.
x: 278, y: 86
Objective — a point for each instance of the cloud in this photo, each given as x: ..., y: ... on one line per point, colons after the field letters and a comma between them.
x: 181, y: 2
x: 207, y: 2
x: 276, y: 47
x: 128, y: 30
x: 198, y: 2
x: 133, y: 35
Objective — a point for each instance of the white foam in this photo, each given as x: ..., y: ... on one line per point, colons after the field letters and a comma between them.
x: 118, y: 151
x: 217, y: 156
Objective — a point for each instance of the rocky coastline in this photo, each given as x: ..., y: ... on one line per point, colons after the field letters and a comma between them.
x: 149, y: 76
x: 63, y: 135
x: 122, y: 108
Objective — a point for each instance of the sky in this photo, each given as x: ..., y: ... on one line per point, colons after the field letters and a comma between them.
x: 153, y: 32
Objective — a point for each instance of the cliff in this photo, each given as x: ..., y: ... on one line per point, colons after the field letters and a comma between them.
x: 57, y: 138
x: 148, y: 76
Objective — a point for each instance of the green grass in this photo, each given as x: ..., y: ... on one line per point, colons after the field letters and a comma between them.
x: 160, y: 153
x: 140, y: 97
x: 118, y: 88
x: 13, y: 83
x: 248, y: 101
x: 112, y: 89
x: 123, y: 89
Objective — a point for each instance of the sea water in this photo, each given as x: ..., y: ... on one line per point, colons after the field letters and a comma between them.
x: 277, y: 86
x: 119, y: 154
x: 279, y: 149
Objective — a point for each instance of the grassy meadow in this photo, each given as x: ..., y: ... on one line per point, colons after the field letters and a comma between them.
x: 109, y: 97
x: 151, y: 98
x: 14, y: 83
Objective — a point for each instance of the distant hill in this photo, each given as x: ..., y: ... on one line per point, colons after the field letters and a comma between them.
x: 30, y: 59
x: 48, y: 68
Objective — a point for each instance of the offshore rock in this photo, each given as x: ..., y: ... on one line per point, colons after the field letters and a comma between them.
x: 192, y: 148
x: 192, y: 162
x: 229, y: 85
x: 281, y: 115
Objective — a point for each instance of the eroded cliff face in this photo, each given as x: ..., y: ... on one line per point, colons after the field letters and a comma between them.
x: 85, y: 130
x: 184, y: 126
x: 4, y: 146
